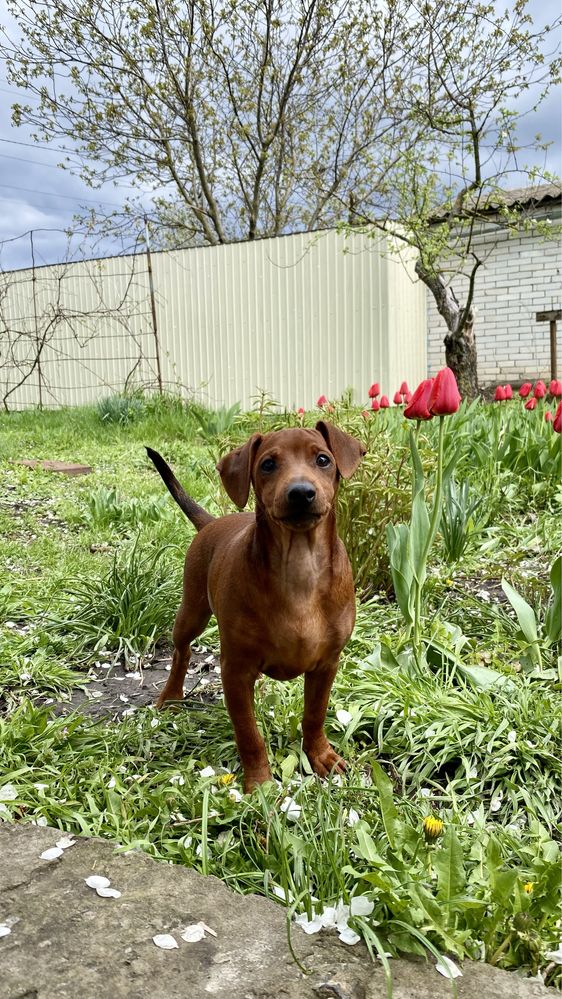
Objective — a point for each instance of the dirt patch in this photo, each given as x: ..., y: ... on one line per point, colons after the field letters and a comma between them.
x: 114, y: 690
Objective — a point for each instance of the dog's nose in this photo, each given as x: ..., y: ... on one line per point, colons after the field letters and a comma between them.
x: 301, y: 494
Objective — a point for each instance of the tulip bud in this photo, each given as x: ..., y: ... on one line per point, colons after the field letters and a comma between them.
x: 321, y: 401
x: 300, y: 411
x: 548, y: 416
x: 557, y: 421
x: 531, y: 403
x: 540, y: 390
x: 374, y: 390
x: 407, y: 397
x: 417, y: 407
x: 508, y: 391
x: 525, y: 389
x: 397, y: 398
x: 384, y: 402
x: 555, y: 388
x: 365, y: 414
x: 445, y: 397
x: 500, y: 394
x: 375, y: 405
x: 404, y: 388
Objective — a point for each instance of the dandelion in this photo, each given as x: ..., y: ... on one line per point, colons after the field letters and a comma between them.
x: 432, y: 828
x: 226, y: 779
x: 528, y: 887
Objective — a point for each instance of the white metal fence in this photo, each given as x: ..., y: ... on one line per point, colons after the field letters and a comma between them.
x: 296, y: 316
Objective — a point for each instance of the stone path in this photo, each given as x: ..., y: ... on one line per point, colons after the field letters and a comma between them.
x: 66, y: 942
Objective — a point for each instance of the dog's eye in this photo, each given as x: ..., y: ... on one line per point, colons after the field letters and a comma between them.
x: 267, y: 465
x: 323, y: 460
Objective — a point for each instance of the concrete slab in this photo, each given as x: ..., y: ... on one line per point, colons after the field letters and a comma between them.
x: 68, y: 943
x: 66, y: 467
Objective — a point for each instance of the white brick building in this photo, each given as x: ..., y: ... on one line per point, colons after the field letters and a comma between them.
x: 521, y: 275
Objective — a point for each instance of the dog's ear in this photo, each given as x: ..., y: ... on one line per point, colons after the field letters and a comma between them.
x: 347, y: 450
x: 235, y: 470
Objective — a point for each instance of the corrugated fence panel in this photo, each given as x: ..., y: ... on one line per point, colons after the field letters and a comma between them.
x: 295, y: 316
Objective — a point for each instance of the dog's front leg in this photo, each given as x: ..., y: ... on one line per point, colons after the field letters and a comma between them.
x: 317, y: 686
x: 238, y: 689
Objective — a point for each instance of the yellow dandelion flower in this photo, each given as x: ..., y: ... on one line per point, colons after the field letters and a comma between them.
x: 432, y: 828
x: 226, y: 779
x: 528, y: 887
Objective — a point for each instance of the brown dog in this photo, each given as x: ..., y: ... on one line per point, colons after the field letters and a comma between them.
x: 278, y: 581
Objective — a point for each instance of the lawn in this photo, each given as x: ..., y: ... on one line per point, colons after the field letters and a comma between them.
x: 462, y: 726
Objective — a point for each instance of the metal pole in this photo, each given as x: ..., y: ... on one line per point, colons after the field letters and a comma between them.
x: 153, y: 305
x: 37, y: 347
x: 553, y: 358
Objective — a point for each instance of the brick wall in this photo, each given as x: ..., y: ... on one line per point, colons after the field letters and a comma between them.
x: 521, y: 275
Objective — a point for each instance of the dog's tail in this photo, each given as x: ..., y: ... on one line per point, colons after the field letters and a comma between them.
x: 195, y: 513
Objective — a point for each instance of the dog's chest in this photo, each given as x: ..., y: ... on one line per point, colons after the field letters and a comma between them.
x: 296, y: 639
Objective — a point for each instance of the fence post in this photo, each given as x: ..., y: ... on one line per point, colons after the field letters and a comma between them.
x: 37, y: 348
x: 153, y: 305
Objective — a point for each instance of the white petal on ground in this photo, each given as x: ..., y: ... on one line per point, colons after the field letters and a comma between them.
x: 555, y: 955
x: 352, y: 817
x: 165, y: 941
x: 52, y: 854
x: 234, y: 795
x: 207, y: 772
x: 193, y: 933
x: 177, y: 779
x: 328, y: 917
x: 108, y: 893
x: 8, y: 793
x: 361, y: 906
x: 4, y: 931
x: 342, y: 915
x: 349, y: 936
x: 111, y: 782
x: 448, y: 968
x: 496, y: 802
x: 97, y: 881
x: 343, y: 716
x: 292, y: 810
x: 207, y: 928
x: 309, y: 926
x: 154, y: 723
x: 65, y: 843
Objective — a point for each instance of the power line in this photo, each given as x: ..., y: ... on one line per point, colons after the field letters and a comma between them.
x: 38, y: 145
x: 67, y: 197
x: 21, y: 159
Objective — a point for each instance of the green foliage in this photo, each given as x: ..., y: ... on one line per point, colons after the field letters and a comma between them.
x: 120, y: 409
x: 462, y: 519
x: 125, y: 609
x: 106, y: 508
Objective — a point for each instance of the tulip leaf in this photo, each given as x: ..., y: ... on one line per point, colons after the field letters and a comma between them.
x: 419, y: 532
x: 449, y: 864
x: 526, y: 617
x: 398, y: 540
x: 553, y: 617
x: 389, y: 814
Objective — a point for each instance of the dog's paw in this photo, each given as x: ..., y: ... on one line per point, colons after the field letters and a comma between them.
x: 324, y: 760
x: 254, y: 777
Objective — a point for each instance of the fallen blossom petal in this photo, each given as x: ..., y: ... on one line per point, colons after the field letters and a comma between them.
x: 448, y: 968
x: 8, y: 793
x: 360, y: 905
x: 4, y: 931
x: 97, y: 881
x: 66, y: 842
x: 108, y: 893
x: 555, y: 955
x: 291, y: 809
x: 165, y: 941
x: 207, y: 772
x: 309, y: 926
x: 52, y: 854
x: 193, y: 933
x: 349, y: 936
x: 328, y: 917
x: 234, y: 795
x: 353, y: 817
x: 344, y: 716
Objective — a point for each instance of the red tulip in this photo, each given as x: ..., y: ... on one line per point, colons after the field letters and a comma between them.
x: 508, y: 391
x: 300, y: 411
x: 555, y: 388
x: 557, y: 421
x: 540, y: 390
x: 384, y: 402
x: 417, y: 408
x: 548, y: 416
x: 321, y: 401
x: 407, y: 397
x: 397, y: 399
x: 525, y: 389
x: 445, y: 397
x: 374, y: 390
x: 531, y: 403
x: 500, y: 394
x: 404, y: 388
x: 375, y: 405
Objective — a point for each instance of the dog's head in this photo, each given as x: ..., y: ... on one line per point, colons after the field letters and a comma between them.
x: 294, y: 472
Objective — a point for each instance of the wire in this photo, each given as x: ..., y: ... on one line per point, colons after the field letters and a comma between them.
x: 67, y: 197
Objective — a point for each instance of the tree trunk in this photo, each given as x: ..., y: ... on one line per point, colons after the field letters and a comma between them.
x: 460, y: 345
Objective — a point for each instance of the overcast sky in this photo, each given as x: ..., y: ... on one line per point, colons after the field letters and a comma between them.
x: 36, y: 194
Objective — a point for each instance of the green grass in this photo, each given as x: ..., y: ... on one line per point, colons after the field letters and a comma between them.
x: 471, y: 735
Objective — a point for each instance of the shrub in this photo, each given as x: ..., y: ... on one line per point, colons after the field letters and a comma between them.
x: 120, y: 409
